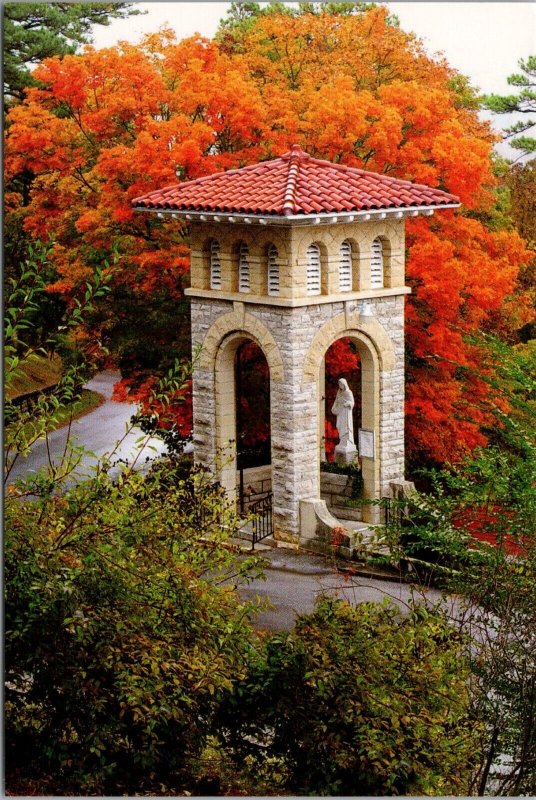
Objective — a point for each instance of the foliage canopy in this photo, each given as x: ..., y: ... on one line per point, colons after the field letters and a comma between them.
x: 107, y: 126
x: 358, y: 701
x: 522, y: 103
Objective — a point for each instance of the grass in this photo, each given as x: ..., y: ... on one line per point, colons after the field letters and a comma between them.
x: 87, y: 402
x: 39, y: 372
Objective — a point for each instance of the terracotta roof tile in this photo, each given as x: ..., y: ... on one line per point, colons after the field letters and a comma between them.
x: 293, y: 184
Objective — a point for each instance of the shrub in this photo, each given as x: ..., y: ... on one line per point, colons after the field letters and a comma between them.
x: 357, y: 701
x: 123, y: 630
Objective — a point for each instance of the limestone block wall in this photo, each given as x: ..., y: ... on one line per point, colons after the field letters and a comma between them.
x: 295, y: 340
x: 257, y: 483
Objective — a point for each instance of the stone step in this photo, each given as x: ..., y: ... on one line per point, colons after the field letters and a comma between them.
x: 245, y: 533
x: 347, y: 513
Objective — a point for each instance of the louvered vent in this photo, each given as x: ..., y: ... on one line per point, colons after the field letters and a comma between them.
x: 313, y: 269
x: 215, y: 265
x: 376, y: 265
x: 243, y: 268
x: 345, y: 267
x: 273, y: 270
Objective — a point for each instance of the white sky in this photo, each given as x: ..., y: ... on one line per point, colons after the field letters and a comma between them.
x: 482, y: 40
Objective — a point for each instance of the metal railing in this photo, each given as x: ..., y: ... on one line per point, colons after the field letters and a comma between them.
x: 394, y: 513
x: 262, y: 522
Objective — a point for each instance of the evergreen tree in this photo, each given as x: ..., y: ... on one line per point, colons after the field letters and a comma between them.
x: 523, y: 103
x: 34, y: 31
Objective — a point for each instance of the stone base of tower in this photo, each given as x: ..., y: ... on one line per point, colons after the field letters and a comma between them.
x: 294, y: 341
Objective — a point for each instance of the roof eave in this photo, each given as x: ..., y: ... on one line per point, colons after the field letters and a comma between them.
x: 301, y: 219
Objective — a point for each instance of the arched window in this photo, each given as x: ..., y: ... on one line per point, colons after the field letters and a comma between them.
x: 215, y: 265
x: 243, y: 268
x: 376, y: 265
x: 313, y: 269
x: 345, y: 267
x: 273, y: 270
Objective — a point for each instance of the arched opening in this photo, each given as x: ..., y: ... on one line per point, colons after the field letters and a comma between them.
x: 241, y: 281
x: 252, y: 377
x: 313, y: 274
x: 342, y: 360
x: 376, y: 264
x: 345, y: 266
x: 214, y: 264
x: 243, y: 426
x: 272, y: 257
x: 346, y: 480
x: 253, y: 426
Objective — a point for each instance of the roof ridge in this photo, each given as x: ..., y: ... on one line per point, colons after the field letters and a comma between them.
x: 289, y: 198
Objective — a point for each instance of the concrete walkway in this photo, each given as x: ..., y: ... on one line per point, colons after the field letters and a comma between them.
x: 294, y: 579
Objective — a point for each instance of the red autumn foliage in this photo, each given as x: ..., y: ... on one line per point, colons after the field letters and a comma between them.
x: 110, y: 125
x: 488, y: 523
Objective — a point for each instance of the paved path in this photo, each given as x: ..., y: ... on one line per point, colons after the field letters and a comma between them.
x: 294, y: 581
x: 97, y: 431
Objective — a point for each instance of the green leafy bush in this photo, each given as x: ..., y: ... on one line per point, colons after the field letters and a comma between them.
x: 357, y: 701
x: 123, y: 631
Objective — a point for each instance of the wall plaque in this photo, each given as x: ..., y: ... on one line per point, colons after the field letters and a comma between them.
x: 366, y: 443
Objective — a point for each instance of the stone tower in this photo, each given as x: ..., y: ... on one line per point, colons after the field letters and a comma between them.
x: 294, y: 254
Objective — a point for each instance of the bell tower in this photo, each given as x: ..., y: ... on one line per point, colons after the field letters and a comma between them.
x: 294, y: 254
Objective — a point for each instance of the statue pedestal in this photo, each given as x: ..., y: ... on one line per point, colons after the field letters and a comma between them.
x: 345, y: 453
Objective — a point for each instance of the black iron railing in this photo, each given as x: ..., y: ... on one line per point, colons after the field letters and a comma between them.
x: 262, y: 522
x: 394, y: 512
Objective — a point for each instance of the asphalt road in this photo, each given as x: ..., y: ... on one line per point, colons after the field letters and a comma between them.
x: 294, y: 581
x: 98, y: 432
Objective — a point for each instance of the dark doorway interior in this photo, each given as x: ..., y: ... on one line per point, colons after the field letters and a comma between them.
x: 252, y: 407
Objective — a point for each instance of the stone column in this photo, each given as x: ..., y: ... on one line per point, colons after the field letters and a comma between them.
x: 295, y: 465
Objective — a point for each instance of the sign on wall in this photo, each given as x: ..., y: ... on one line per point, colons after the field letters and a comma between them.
x: 366, y: 443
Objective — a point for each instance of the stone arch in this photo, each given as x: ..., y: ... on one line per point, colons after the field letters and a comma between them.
x: 377, y: 356
x: 225, y: 422
x: 245, y: 325
x: 370, y: 331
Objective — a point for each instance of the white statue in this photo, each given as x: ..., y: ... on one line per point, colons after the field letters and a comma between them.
x: 343, y: 408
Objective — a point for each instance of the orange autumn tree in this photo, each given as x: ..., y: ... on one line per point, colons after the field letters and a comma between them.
x: 110, y: 125
x: 358, y: 90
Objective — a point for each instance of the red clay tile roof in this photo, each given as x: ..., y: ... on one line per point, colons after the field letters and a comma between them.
x: 294, y: 183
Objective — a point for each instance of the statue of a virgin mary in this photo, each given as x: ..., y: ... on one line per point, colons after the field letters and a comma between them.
x: 343, y: 410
